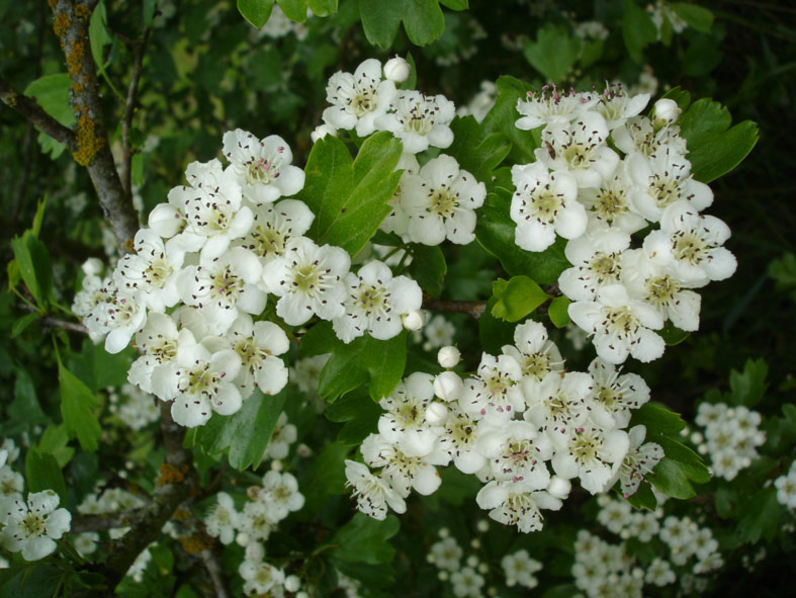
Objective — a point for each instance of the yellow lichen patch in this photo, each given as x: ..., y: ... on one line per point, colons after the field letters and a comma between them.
x: 88, y: 143
x: 61, y: 24
x: 196, y: 543
x: 82, y: 11
x: 181, y: 515
x: 170, y: 474
x: 51, y: 4
x: 11, y: 100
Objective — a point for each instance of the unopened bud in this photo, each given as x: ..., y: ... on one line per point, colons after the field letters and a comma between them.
x: 472, y: 561
x: 92, y: 267
x: 413, y: 320
x: 322, y: 131
x: 482, y: 526
x: 276, y: 465
x: 475, y: 543
x: 448, y: 386
x: 448, y: 357
x: 242, y: 539
x: 254, y: 550
x: 292, y: 583
x: 436, y: 414
x: 667, y: 111
x: 442, y: 575
x: 302, y: 595
x: 559, y: 487
x: 397, y: 69
x: 253, y: 492
x: 483, y: 568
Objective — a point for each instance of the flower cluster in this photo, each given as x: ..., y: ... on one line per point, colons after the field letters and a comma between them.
x: 517, y: 418
x: 731, y: 437
x: 134, y: 407
x: 786, y: 487
x: 585, y: 191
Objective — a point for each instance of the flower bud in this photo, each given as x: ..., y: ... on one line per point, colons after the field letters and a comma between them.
x: 483, y: 568
x: 667, y: 111
x: 242, y: 539
x: 559, y: 487
x: 322, y: 131
x: 442, y: 575
x: 253, y: 492
x: 472, y: 561
x: 482, y: 526
x: 276, y: 465
x: 292, y: 583
x: 397, y: 69
x: 448, y: 386
x: 302, y: 595
x: 92, y: 266
x: 413, y: 320
x: 254, y: 550
x: 448, y: 357
x: 436, y: 414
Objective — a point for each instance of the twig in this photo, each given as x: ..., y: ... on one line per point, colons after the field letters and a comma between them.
x: 29, y: 109
x: 214, y: 569
x: 104, y: 522
x: 54, y: 322
x: 471, y: 308
x: 129, y: 112
x: 91, y: 148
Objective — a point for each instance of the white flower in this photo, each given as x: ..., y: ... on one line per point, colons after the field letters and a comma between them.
x: 306, y: 372
x: 93, y: 290
x: 440, y: 202
x: 258, y: 345
x: 519, y: 569
x: 591, y: 454
x: 373, y: 494
x: 467, y: 583
x: 283, y: 436
x: 596, y: 260
x: 397, y: 221
x: 608, y: 205
x: 33, y: 527
x: 86, y: 543
x: 638, y: 134
x: 273, y: 225
x: 516, y: 452
x: 616, y: 106
x: 662, y: 179
x: 280, y: 495
x: 558, y: 404
x: 446, y: 554
x: 786, y: 489
x: 359, y: 99
x: 254, y: 519
x: 404, y: 422
x: 260, y: 577
x: 419, y: 121
x: 158, y: 342
x: 540, y: 109
x: 459, y: 440
x: 11, y: 450
x: 579, y: 148
x: 616, y: 394
x: 308, y: 280
x: 667, y: 111
x: 376, y: 302
x: 621, y: 326
x: 262, y: 167
x: 139, y: 408
x: 119, y: 316
x: 544, y: 204
x: 438, y: 332
x: 404, y: 472
x: 222, y: 521
x: 494, y: 393
x: 11, y: 483
x: 640, y: 460
x: 536, y: 355
x: 692, y: 246
x: 515, y: 503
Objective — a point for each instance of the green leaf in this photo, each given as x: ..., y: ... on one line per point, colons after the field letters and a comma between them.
x: 21, y: 324
x: 558, y: 311
x: 360, y: 415
x: 349, y: 199
x: 638, y: 30
x: 503, y: 115
x: 760, y: 517
x: 644, y: 498
x: 244, y: 435
x: 680, y: 465
x: 455, y: 4
x: 658, y: 419
x: 364, y: 540
x: 24, y: 412
x: 553, y: 53
x: 54, y: 441
x: 52, y: 94
x: 476, y: 153
x: 494, y: 333
x: 323, y: 8
x: 77, y: 404
x: 672, y: 335
x: 428, y: 268
x: 698, y: 17
x: 749, y: 387
x: 380, y: 20
x: 43, y: 473
x: 495, y: 232
x: 423, y: 21
x: 714, y: 147
x: 457, y: 488
x: 256, y: 12
x: 98, y: 35
x: 295, y: 10
x: 517, y: 299
x: 33, y: 261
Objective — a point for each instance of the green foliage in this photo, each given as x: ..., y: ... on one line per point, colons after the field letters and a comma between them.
x: 428, y: 268
x: 759, y: 517
x: 714, y: 147
x: 364, y: 540
x: 477, y: 152
x: 558, y: 312
x: 672, y: 335
x: 358, y: 412
x: 503, y: 115
x: 349, y: 198
x: 747, y: 388
x: 242, y: 436
x: 295, y: 10
x: 554, y: 52
x: 43, y: 473
x: 77, y: 409
x: 422, y: 19
x: 638, y: 30
x: 33, y: 262
x: 783, y: 271
x: 698, y: 17
x: 256, y: 12
x: 516, y: 298
x: 681, y: 466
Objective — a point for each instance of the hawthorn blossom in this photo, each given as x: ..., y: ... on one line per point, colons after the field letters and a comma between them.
x: 158, y: 342
x: 280, y: 495
x: 397, y: 221
x: 440, y: 202
x: 404, y: 472
x: 274, y: 225
x: 11, y: 483
x: 255, y: 520
x: 308, y: 280
x: 493, y: 392
x: 608, y: 205
x: 151, y: 271
x: 616, y: 106
x: 591, y: 454
x: 282, y: 437
x: 516, y: 451
x: 119, y: 316
x: 223, y: 519
x: 33, y: 526
x: 519, y: 568
x: 544, y: 203
x: 258, y: 344
x: 262, y: 167
x: 260, y: 577
x: 516, y: 503
x: 640, y: 460
x: 558, y: 403
x: 419, y: 121
x: 616, y: 395
x: 458, y: 439
x: 404, y: 421
x: 376, y: 303
x: 446, y: 554
x: 596, y: 260
x: 372, y: 493
x: 639, y: 134
x: 536, y: 355
x: 359, y: 99
x: 560, y: 106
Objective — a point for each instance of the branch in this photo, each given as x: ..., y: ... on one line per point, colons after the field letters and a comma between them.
x: 471, y: 308
x: 54, y: 322
x: 91, y: 148
x: 101, y: 523
x: 129, y: 112
x: 214, y: 569
x: 29, y: 109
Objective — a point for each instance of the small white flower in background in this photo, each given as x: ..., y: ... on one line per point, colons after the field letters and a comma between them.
x: 786, y: 488
x: 86, y: 543
x: 305, y: 373
x: 308, y: 280
x: 560, y: 106
x: 515, y: 503
x: 280, y: 495
x: 359, y: 99
x: 519, y: 568
x: 322, y: 131
x: 11, y: 483
x: 136, y: 570
x: 262, y: 167
x: 404, y: 422
x: 467, y: 583
x: 419, y: 121
x: 260, y: 577
x: 621, y: 326
x: 32, y: 527
x: 138, y: 408
x: 273, y: 225
x: 373, y: 494
x: 283, y: 436
x: 376, y: 303
x: 223, y: 520
x: 440, y: 202
x: 447, y: 554
x: 254, y: 519
x: 545, y: 203
x: 439, y: 332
